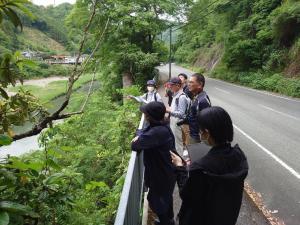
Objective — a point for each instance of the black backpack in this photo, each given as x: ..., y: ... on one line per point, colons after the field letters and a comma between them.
x: 155, y: 98
x: 177, y: 102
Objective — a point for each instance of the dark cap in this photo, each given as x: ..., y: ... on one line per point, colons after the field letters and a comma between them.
x: 151, y: 83
x: 156, y: 110
x: 175, y: 80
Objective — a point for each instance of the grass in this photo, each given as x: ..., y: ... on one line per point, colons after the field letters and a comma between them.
x: 37, y: 40
x: 53, y: 89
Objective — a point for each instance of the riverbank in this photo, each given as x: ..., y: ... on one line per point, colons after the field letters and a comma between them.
x: 47, y: 89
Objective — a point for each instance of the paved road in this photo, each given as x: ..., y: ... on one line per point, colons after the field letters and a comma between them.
x: 267, y: 127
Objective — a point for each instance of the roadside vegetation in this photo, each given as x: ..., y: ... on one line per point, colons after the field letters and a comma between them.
x: 78, y: 175
x: 253, y: 43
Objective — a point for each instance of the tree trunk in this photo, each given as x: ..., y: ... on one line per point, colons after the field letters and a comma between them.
x: 127, y: 79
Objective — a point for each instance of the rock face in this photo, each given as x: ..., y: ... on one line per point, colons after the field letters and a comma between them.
x: 208, y: 58
x: 293, y: 69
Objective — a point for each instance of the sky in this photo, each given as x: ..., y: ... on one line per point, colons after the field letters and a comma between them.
x: 50, y: 2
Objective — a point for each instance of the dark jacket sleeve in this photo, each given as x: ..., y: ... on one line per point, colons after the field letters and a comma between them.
x: 181, y: 176
x: 203, y: 104
x: 191, y: 184
x: 146, y: 140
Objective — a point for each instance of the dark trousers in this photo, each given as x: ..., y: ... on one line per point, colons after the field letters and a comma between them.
x: 162, y: 206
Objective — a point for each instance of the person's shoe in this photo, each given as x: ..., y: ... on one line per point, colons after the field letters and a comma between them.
x: 156, y: 221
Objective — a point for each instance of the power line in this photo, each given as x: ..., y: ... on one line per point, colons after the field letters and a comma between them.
x: 197, y: 19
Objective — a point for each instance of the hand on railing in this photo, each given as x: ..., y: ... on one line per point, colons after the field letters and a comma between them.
x: 135, y: 139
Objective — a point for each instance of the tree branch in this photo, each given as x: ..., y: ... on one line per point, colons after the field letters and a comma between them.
x: 72, y: 79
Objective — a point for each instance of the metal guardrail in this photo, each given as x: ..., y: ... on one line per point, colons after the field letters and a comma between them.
x: 129, y: 210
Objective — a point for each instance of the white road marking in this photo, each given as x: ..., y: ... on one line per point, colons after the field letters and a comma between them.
x: 281, y: 113
x: 219, y: 89
x: 277, y: 159
x: 258, y: 91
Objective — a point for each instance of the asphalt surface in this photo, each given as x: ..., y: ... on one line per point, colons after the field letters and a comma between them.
x: 267, y: 128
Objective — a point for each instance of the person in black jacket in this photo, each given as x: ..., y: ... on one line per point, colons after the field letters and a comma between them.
x: 200, y: 101
x: 156, y: 140
x: 212, y: 190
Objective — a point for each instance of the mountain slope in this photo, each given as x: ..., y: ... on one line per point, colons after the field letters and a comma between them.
x: 36, y: 40
x: 45, y: 32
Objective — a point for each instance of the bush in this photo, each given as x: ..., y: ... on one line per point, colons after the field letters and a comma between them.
x: 260, y: 80
x: 286, y: 23
x: 44, y: 70
x: 289, y: 87
x: 78, y: 177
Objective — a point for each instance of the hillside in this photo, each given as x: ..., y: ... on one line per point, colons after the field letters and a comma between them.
x: 36, y: 40
x: 44, y: 32
x: 256, y: 43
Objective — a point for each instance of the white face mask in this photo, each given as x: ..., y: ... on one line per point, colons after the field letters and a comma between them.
x: 150, y: 89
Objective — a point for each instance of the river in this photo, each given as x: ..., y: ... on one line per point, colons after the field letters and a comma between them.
x: 29, y: 144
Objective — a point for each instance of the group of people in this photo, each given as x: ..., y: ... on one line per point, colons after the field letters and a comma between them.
x: 211, y: 187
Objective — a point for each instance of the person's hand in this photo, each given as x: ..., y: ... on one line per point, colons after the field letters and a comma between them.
x: 135, y: 139
x: 168, y: 109
x: 176, y: 160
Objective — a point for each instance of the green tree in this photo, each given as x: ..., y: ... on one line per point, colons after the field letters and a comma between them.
x: 129, y: 50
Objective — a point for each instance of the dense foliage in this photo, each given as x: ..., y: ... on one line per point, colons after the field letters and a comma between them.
x: 78, y: 177
x: 251, y: 40
x: 131, y: 44
x: 47, y: 20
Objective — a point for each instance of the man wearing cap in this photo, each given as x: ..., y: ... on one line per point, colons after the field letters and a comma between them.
x: 178, y: 111
x: 156, y: 140
x: 152, y: 95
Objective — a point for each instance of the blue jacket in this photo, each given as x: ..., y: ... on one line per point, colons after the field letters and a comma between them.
x: 156, y: 141
x: 201, y: 101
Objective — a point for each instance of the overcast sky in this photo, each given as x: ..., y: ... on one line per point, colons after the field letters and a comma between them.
x: 50, y: 2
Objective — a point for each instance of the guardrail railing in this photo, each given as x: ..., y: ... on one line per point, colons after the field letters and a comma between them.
x: 129, y: 210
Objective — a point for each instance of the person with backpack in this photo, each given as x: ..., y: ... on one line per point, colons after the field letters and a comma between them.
x: 185, y: 127
x: 151, y: 96
x: 156, y: 141
x: 178, y: 111
x: 200, y: 101
x: 212, y: 188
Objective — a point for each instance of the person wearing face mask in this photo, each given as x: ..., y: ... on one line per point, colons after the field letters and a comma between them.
x: 212, y: 189
x: 151, y: 96
x: 156, y: 140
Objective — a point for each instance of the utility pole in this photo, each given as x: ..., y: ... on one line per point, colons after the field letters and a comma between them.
x: 170, y: 56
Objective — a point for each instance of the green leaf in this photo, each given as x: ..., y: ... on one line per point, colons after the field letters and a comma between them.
x: 17, y: 164
x: 67, y: 148
x: 94, y: 184
x: 53, y: 164
x: 14, y: 18
x: 17, y: 208
x: 5, y: 140
x: 4, y: 218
